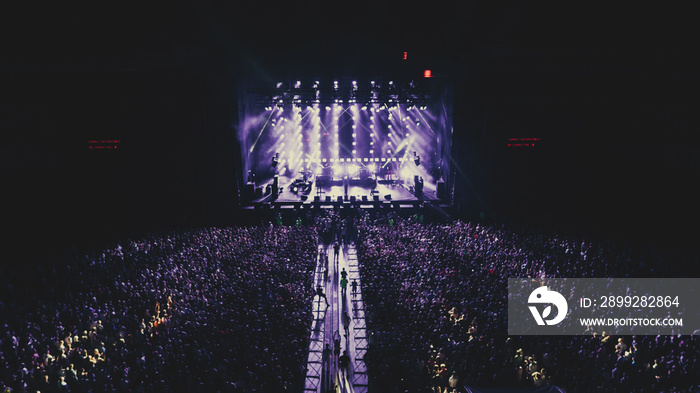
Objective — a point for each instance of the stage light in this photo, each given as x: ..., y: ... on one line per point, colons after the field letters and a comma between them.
x: 427, y: 74
x: 364, y: 108
x: 371, y: 152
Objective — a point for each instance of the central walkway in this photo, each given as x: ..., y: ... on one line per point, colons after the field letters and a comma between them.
x: 338, y: 333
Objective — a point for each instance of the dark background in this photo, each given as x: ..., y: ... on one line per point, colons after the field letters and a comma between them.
x: 610, y: 91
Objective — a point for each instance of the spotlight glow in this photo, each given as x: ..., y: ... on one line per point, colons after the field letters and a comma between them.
x: 310, y: 132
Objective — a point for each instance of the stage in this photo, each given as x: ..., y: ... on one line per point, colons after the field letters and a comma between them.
x: 346, y: 142
x: 294, y: 193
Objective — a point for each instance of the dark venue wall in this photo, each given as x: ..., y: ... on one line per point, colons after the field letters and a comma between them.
x: 114, y: 124
x: 608, y: 95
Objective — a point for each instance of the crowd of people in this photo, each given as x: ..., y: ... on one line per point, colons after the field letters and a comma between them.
x: 436, y: 304
x: 203, y: 310
x: 229, y: 309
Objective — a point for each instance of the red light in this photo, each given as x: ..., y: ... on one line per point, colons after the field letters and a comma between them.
x: 405, y: 55
x: 427, y: 74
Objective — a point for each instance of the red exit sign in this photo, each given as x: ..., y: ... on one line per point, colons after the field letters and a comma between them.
x: 522, y: 142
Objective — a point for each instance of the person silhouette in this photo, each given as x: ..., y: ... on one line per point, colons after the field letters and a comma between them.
x: 346, y: 323
x: 343, y: 285
x: 320, y: 294
x: 344, y: 362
